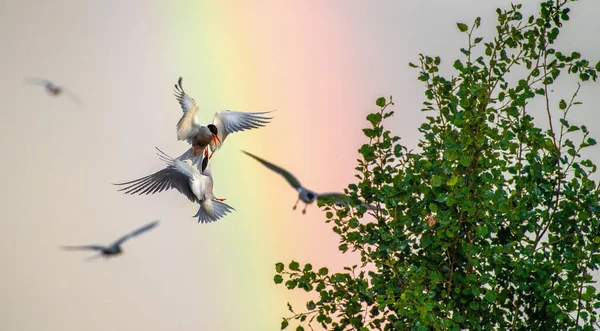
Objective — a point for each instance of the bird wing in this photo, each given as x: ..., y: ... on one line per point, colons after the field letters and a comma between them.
x: 196, y: 160
x: 339, y: 198
x: 84, y: 248
x: 185, y: 127
x: 72, y: 96
x: 173, y: 176
x: 288, y: 176
x: 36, y: 81
x: 335, y: 196
x: 135, y: 233
x: 184, y: 99
x: 228, y: 122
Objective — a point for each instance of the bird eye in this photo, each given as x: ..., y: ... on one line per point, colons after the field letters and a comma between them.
x: 213, y: 129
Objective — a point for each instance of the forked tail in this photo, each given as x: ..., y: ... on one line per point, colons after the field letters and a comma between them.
x: 212, y: 210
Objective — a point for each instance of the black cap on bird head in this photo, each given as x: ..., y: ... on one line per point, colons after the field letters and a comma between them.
x: 213, y: 129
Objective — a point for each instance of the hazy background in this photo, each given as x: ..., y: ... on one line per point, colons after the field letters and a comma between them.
x: 320, y: 64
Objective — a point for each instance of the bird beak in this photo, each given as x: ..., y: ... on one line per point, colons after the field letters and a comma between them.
x: 216, y: 138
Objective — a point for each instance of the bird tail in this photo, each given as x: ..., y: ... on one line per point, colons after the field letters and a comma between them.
x: 212, y: 210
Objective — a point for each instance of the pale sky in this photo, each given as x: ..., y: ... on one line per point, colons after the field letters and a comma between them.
x: 320, y: 64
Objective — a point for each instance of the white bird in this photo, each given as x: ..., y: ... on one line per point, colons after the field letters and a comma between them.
x: 114, y: 249
x: 52, y: 88
x: 191, y: 176
x: 224, y: 123
x: 307, y: 196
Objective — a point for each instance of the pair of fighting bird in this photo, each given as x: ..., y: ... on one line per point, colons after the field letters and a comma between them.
x: 190, y: 173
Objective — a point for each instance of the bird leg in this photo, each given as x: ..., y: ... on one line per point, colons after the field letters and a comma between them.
x: 211, y: 154
x: 296, y: 204
x: 304, y: 210
x: 220, y: 199
x: 194, y: 150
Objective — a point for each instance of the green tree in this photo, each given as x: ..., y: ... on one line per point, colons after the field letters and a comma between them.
x: 493, y: 223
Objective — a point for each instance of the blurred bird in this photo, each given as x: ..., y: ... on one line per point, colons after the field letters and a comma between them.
x: 307, y: 196
x: 114, y: 249
x: 52, y: 88
x: 188, y: 174
x: 224, y: 123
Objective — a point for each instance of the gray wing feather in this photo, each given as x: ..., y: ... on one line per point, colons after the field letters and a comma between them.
x: 135, y: 233
x: 288, y: 176
x: 165, y: 179
x: 185, y: 101
x: 159, y: 181
x: 228, y: 122
x: 84, y: 248
x: 37, y: 81
x: 339, y: 198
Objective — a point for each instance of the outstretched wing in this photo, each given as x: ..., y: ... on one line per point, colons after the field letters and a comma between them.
x: 228, y: 122
x: 339, y: 199
x: 84, y: 248
x: 170, y: 177
x: 72, y: 96
x: 37, y: 81
x: 185, y: 126
x: 288, y: 176
x: 135, y: 233
x: 184, y: 99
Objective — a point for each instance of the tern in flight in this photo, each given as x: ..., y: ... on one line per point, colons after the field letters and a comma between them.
x: 113, y: 249
x: 307, y: 196
x: 52, y: 88
x: 224, y: 123
x: 188, y: 174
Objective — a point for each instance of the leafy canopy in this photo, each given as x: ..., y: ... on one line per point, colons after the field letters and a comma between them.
x: 493, y: 223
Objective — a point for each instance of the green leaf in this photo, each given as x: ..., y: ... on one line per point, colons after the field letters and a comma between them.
x: 465, y: 160
x: 284, y: 324
x: 490, y: 296
x: 433, y: 207
x: 299, y: 328
x: 323, y: 271
x: 279, y: 267
x: 452, y: 181
x: 278, y: 279
x: 294, y: 266
x: 562, y: 104
x: 380, y: 102
x: 307, y: 267
x: 462, y: 27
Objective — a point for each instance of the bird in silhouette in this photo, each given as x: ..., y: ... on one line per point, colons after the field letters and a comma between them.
x: 52, y: 88
x: 307, y: 196
x: 114, y: 249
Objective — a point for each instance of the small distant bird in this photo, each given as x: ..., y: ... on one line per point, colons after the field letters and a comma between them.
x: 113, y: 249
x: 224, y: 123
x: 52, y: 88
x: 191, y: 176
x: 307, y: 196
